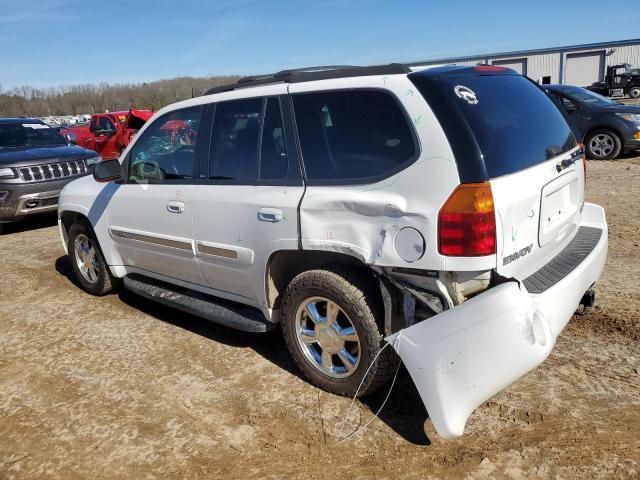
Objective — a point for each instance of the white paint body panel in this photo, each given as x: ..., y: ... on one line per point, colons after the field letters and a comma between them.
x: 519, y: 201
x: 463, y: 356
x: 91, y: 199
x: 226, y: 216
x: 363, y: 220
x: 142, y: 209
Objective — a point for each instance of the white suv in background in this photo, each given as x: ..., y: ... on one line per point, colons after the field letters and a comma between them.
x: 439, y: 210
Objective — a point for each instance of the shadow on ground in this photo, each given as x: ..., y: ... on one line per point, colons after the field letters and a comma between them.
x: 34, y: 222
x: 403, y: 412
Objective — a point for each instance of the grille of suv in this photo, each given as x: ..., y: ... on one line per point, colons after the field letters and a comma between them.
x: 52, y: 171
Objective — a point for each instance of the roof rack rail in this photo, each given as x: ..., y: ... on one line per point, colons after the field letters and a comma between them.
x: 323, y: 68
x: 310, y: 74
x: 253, y: 78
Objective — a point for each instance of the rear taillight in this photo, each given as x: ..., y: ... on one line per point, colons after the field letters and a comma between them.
x: 467, y: 222
x: 489, y: 68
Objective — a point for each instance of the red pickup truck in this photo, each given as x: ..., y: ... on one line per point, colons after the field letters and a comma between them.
x: 109, y: 133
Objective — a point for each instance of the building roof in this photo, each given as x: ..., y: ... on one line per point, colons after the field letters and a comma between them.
x: 524, y: 53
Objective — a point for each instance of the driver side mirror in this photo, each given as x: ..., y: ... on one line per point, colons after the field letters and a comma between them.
x: 108, y: 171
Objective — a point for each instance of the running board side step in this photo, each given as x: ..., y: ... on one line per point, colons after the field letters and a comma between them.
x: 223, y: 312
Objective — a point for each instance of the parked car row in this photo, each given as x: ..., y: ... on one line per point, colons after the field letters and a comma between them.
x: 606, y: 127
x: 37, y: 161
x: 109, y: 133
x: 439, y: 213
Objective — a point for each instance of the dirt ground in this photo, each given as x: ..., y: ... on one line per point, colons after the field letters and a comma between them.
x: 118, y: 387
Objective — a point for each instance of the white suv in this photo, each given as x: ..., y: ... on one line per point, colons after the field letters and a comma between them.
x: 439, y: 210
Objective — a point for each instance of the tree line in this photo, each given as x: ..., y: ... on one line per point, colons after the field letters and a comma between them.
x: 26, y: 101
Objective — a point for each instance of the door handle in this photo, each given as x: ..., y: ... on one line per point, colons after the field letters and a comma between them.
x: 175, y: 207
x: 269, y: 214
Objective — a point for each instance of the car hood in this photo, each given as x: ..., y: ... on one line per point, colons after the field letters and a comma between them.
x: 34, y: 155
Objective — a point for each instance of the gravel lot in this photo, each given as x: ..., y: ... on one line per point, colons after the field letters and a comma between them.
x: 117, y: 387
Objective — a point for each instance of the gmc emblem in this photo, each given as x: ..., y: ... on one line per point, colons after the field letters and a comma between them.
x: 515, y: 256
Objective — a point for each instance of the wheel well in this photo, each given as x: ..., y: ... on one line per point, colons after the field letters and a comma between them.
x: 606, y: 127
x: 69, y: 218
x: 283, y: 266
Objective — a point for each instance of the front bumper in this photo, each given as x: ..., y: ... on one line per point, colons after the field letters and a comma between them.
x: 24, y: 199
x: 631, y: 144
x: 464, y: 356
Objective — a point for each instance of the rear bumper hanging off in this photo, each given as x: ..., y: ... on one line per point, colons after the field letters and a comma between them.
x: 460, y: 358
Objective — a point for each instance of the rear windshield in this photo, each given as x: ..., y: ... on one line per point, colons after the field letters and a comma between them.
x: 515, y: 124
x: 29, y: 135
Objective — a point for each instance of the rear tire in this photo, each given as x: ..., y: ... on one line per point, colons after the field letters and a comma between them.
x: 603, y: 144
x: 634, y: 92
x: 335, y: 350
x: 89, y: 267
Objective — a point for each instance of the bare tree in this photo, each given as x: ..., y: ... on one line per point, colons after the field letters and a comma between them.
x: 27, y: 101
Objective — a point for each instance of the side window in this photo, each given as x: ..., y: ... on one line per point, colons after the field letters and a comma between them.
x: 166, y: 150
x: 234, y: 141
x: 568, y: 105
x: 274, y: 161
x: 93, y: 126
x: 352, y: 135
x: 105, y: 125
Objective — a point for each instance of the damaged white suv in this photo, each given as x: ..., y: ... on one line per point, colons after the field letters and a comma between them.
x: 440, y: 210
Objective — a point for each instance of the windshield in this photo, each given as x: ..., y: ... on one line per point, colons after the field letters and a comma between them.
x: 587, y: 96
x: 29, y: 135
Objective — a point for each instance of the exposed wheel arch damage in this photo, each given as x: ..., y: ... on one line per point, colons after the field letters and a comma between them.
x: 283, y: 266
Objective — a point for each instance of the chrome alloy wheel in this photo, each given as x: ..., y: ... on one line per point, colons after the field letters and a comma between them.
x: 86, y: 258
x: 327, y: 337
x: 602, y: 145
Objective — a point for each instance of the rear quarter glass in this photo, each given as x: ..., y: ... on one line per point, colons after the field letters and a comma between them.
x: 509, y: 123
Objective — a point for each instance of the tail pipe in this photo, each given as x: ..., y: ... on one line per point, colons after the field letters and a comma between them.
x: 588, y: 301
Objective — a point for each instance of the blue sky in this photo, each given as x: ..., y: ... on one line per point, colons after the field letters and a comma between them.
x: 61, y: 42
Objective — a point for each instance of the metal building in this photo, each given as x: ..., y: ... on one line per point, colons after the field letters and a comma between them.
x: 579, y: 65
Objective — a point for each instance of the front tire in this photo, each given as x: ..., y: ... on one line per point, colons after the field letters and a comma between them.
x: 332, y: 328
x: 634, y: 92
x: 603, y: 145
x: 88, y: 264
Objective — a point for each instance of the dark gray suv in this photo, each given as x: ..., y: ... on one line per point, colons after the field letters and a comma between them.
x: 607, y: 128
x: 35, y: 163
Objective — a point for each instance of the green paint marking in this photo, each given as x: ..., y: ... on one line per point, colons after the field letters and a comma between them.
x: 531, y: 214
x: 513, y: 234
x: 410, y: 92
x: 384, y: 79
x: 417, y: 120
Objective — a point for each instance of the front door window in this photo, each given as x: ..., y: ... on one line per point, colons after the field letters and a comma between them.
x: 166, y: 150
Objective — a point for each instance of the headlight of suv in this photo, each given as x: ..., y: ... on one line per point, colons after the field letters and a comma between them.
x: 7, y: 173
x: 94, y: 160
x: 630, y: 117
